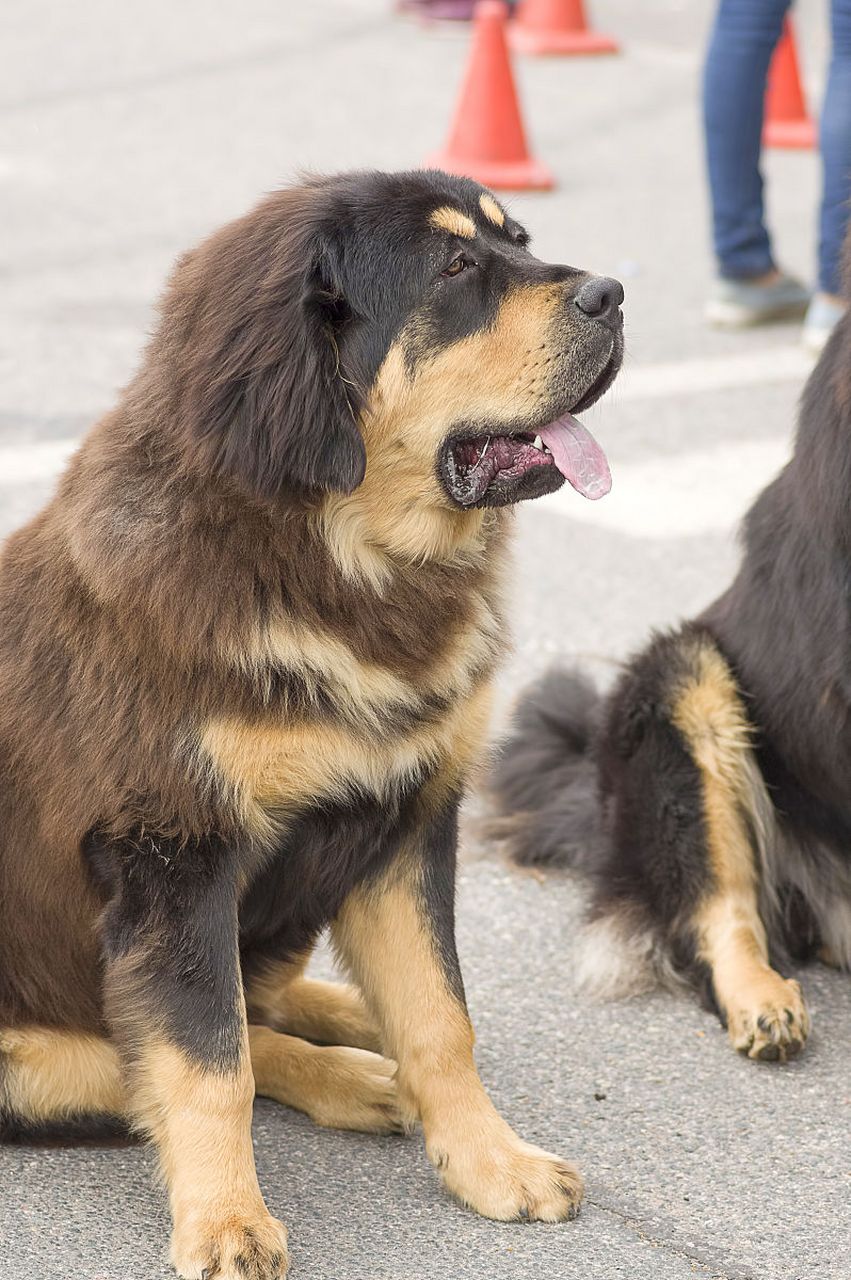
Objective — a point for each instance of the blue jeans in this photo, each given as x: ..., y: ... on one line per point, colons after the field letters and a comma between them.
x: 735, y: 75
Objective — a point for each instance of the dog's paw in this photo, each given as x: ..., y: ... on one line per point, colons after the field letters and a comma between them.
x: 356, y: 1090
x: 245, y: 1247
x: 775, y: 1025
x: 504, y: 1178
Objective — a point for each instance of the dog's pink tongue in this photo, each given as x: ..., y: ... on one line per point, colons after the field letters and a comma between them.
x: 578, y: 457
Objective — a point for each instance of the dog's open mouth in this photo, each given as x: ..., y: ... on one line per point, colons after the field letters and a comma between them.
x: 474, y: 464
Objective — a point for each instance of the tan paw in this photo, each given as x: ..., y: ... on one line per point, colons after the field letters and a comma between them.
x: 244, y: 1247
x: 356, y: 1089
x: 505, y: 1178
x: 775, y: 1025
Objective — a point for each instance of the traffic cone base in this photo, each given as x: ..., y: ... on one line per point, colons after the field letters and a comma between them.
x: 792, y: 135
x: 562, y: 42
x: 787, y: 121
x: 556, y: 27
x: 521, y: 175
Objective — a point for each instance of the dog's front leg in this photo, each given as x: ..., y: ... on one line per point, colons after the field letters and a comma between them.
x: 173, y: 999
x: 397, y: 935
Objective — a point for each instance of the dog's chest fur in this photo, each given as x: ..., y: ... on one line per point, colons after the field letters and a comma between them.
x: 358, y: 693
x: 381, y: 702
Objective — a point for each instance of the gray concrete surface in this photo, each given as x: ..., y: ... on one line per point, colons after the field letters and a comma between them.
x: 126, y: 131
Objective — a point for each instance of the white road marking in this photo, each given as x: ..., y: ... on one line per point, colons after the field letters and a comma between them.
x: 678, y: 495
x: 30, y: 463
x: 682, y: 495
x: 713, y: 373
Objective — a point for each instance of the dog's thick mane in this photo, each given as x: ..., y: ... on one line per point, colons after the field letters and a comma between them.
x: 194, y: 543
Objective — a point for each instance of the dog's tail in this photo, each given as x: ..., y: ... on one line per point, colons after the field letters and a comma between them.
x: 550, y: 813
x: 544, y: 781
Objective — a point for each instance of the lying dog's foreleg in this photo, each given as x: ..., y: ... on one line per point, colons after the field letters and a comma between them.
x: 397, y: 936
x: 51, y: 1078
x: 279, y: 996
x: 765, y: 1013
x: 173, y: 998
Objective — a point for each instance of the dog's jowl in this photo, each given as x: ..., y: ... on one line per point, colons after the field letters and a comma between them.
x: 246, y: 654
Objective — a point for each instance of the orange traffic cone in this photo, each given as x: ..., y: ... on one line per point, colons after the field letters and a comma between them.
x: 787, y: 123
x: 487, y: 141
x: 556, y: 26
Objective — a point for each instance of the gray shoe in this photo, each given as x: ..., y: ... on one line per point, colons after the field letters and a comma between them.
x: 821, y: 319
x: 735, y: 304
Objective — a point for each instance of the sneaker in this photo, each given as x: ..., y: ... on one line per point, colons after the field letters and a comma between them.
x: 735, y: 304
x: 823, y: 314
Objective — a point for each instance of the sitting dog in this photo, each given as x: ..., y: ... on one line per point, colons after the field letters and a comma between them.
x: 709, y: 796
x: 246, y: 654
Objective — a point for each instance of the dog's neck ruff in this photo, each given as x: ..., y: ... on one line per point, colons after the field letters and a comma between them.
x: 369, y: 545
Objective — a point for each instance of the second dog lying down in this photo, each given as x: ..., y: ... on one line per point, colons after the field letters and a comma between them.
x: 709, y: 798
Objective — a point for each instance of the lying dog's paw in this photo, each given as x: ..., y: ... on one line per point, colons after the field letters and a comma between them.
x: 356, y: 1089
x: 775, y: 1025
x: 502, y: 1177
x: 249, y: 1247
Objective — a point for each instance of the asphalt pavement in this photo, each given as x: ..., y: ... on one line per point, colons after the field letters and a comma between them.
x: 126, y: 132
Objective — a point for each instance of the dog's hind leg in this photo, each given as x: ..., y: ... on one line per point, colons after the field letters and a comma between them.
x: 332, y: 1013
x: 765, y: 1013
x: 337, y: 1086
x: 52, y: 1079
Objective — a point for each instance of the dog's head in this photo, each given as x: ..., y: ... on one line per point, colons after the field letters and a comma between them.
x: 392, y: 333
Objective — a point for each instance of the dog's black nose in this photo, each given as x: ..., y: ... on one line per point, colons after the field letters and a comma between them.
x: 600, y: 297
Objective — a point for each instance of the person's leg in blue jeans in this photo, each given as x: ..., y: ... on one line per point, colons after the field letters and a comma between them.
x: 743, y: 40
x: 835, y: 143
x: 740, y: 49
x: 828, y: 305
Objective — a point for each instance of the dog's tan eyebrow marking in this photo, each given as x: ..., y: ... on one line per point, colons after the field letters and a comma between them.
x: 454, y: 221
x: 491, y: 210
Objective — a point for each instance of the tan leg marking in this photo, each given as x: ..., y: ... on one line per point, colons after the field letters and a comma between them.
x: 336, y: 1086
x: 50, y: 1076
x: 200, y: 1119
x: 766, y: 1014
x: 329, y: 1012
x: 480, y: 1159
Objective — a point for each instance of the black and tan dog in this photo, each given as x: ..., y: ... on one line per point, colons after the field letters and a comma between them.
x: 709, y: 797
x: 245, y: 656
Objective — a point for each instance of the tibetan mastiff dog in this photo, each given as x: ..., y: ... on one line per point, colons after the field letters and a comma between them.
x: 245, y: 655
x: 709, y: 796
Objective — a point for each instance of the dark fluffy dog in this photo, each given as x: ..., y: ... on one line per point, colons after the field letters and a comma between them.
x: 245, y: 656
x: 709, y: 797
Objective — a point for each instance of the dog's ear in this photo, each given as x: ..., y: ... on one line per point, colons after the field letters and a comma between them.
x: 263, y: 396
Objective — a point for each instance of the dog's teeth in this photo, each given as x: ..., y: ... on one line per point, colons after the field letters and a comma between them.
x: 538, y: 443
x: 487, y: 446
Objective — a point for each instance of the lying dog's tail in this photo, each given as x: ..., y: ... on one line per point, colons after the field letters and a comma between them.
x: 544, y: 781
x: 546, y: 792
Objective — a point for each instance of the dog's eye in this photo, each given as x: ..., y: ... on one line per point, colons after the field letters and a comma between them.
x: 457, y: 265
